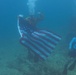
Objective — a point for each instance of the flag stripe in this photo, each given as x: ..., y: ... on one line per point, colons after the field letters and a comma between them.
x: 41, y: 47
x: 48, y: 38
x: 37, y: 47
x: 46, y: 41
x: 41, y: 44
x: 43, y: 41
x: 52, y: 35
x: 22, y: 41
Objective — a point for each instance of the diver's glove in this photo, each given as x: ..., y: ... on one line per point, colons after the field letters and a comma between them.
x: 72, y: 44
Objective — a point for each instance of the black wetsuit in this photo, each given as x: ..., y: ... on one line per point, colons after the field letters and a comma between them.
x: 26, y: 26
x: 72, y: 52
x: 29, y: 29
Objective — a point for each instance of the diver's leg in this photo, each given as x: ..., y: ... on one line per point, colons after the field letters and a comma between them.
x: 65, y: 70
x: 72, y: 66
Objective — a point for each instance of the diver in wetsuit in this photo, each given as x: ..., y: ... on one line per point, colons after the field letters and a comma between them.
x: 70, y: 65
x: 28, y: 25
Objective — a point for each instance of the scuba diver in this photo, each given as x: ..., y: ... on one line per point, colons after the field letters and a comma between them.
x: 29, y: 25
x: 70, y: 65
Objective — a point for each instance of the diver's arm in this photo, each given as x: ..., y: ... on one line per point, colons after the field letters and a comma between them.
x: 40, y: 17
x: 22, y: 21
x: 73, y: 39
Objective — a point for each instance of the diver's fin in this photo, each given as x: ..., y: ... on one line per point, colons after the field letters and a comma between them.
x: 66, y: 68
x: 72, y: 66
x: 64, y: 71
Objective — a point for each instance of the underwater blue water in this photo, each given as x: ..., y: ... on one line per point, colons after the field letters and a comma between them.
x: 57, y: 17
x: 57, y: 14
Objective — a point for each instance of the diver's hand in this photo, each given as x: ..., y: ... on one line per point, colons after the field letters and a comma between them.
x: 41, y: 16
x: 20, y: 16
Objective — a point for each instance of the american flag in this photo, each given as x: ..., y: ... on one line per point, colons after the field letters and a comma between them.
x: 41, y: 42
